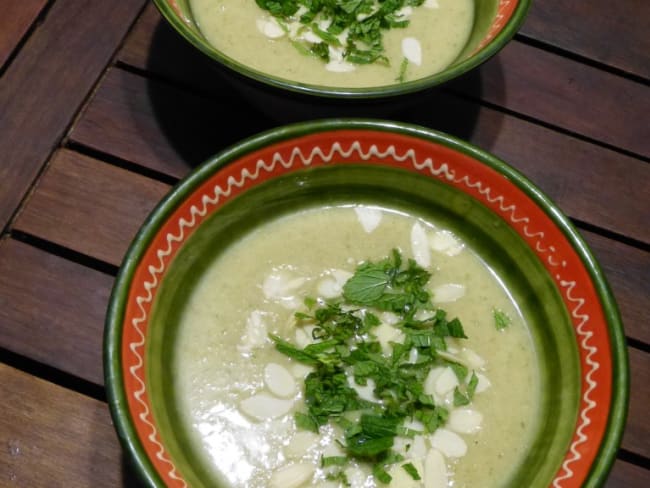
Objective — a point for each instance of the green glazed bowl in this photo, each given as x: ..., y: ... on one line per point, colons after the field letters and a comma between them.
x: 502, y: 216
x: 495, y: 23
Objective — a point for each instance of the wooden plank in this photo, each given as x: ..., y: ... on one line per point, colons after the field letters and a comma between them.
x: 89, y: 206
x: 17, y: 16
x: 627, y: 475
x: 558, y: 91
x: 52, y: 310
x: 637, y: 433
x: 84, y: 35
x: 55, y: 437
x: 126, y: 119
x: 159, y: 126
x: 523, y: 79
x: 612, y: 33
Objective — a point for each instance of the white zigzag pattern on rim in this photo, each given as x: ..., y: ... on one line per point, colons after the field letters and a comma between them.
x: 591, y: 350
x: 442, y: 170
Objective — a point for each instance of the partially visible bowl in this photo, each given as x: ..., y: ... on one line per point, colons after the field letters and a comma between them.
x: 495, y: 23
x: 510, y: 224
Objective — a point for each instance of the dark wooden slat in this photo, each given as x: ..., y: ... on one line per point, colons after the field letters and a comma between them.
x: 52, y: 310
x: 521, y: 78
x: 557, y: 91
x: 626, y: 475
x: 158, y: 126
x: 56, y: 68
x: 89, y: 206
x: 637, y: 432
x: 17, y: 16
x: 129, y: 117
x: 55, y: 437
x: 613, y: 33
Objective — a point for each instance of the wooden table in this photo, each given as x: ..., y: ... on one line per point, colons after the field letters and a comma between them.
x: 103, y: 108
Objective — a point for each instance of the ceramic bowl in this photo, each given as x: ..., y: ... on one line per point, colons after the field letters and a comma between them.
x: 496, y: 22
x: 510, y: 224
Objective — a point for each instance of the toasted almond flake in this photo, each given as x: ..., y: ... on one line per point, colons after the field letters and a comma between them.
x: 281, y: 285
x: 389, y: 318
x: 270, y: 28
x: 303, y: 336
x: 473, y: 360
x: 292, y: 476
x: 449, y: 443
x: 418, y: 448
x: 300, y: 444
x: 412, y: 50
x: 279, y: 381
x: 447, y: 293
x: 465, y: 420
x: 263, y: 406
x: 445, y: 242
x: 369, y: 218
x: 432, y: 378
x: 386, y: 334
x: 446, y: 382
x: 420, y: 245
x: 309, y: 36
x: 255, y: 334
x: 329, y: 288
x: 435, y: 470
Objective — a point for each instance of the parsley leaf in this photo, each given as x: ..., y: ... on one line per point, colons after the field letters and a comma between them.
x: 501, y: 319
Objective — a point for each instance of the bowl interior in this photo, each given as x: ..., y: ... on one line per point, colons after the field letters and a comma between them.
x: 495, y: 22
x: 513, y: 228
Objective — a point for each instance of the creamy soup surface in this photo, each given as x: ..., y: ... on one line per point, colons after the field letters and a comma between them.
x: 238, y: 395
x: 438, y: 28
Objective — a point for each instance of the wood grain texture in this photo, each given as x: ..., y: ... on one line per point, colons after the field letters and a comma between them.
x: 159, y: 126
x: 612, y: 33
x: 577, y: 98
x: 89, y: 206
x: 55, y: 437
x: 637, y: 433
x: 16, y: 18
x: 48, y: 80
x: 52, y: 310
x: 132, y: 117
x: 627, y: 475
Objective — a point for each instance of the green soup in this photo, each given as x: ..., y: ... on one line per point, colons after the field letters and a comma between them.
x: 438, y: 28
x: 237, y: 395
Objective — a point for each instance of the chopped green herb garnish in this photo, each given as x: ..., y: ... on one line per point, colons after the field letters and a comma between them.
x: 501, y: 319
x: 412, y: 471
x: 353, y: 29
x: 346, y: 352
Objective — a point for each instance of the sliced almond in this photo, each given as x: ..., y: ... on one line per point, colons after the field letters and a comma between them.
x: 279, y: 381
x: 420, y: 245
x: 291, y: 476
x: 449, y: 443
x: 263, y: 406
x: 465, y: 420
x: 369, y: 217
x: 447, y: 293
x: 300, y: 444
x: 435, y: 470
x: 446, y: 382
